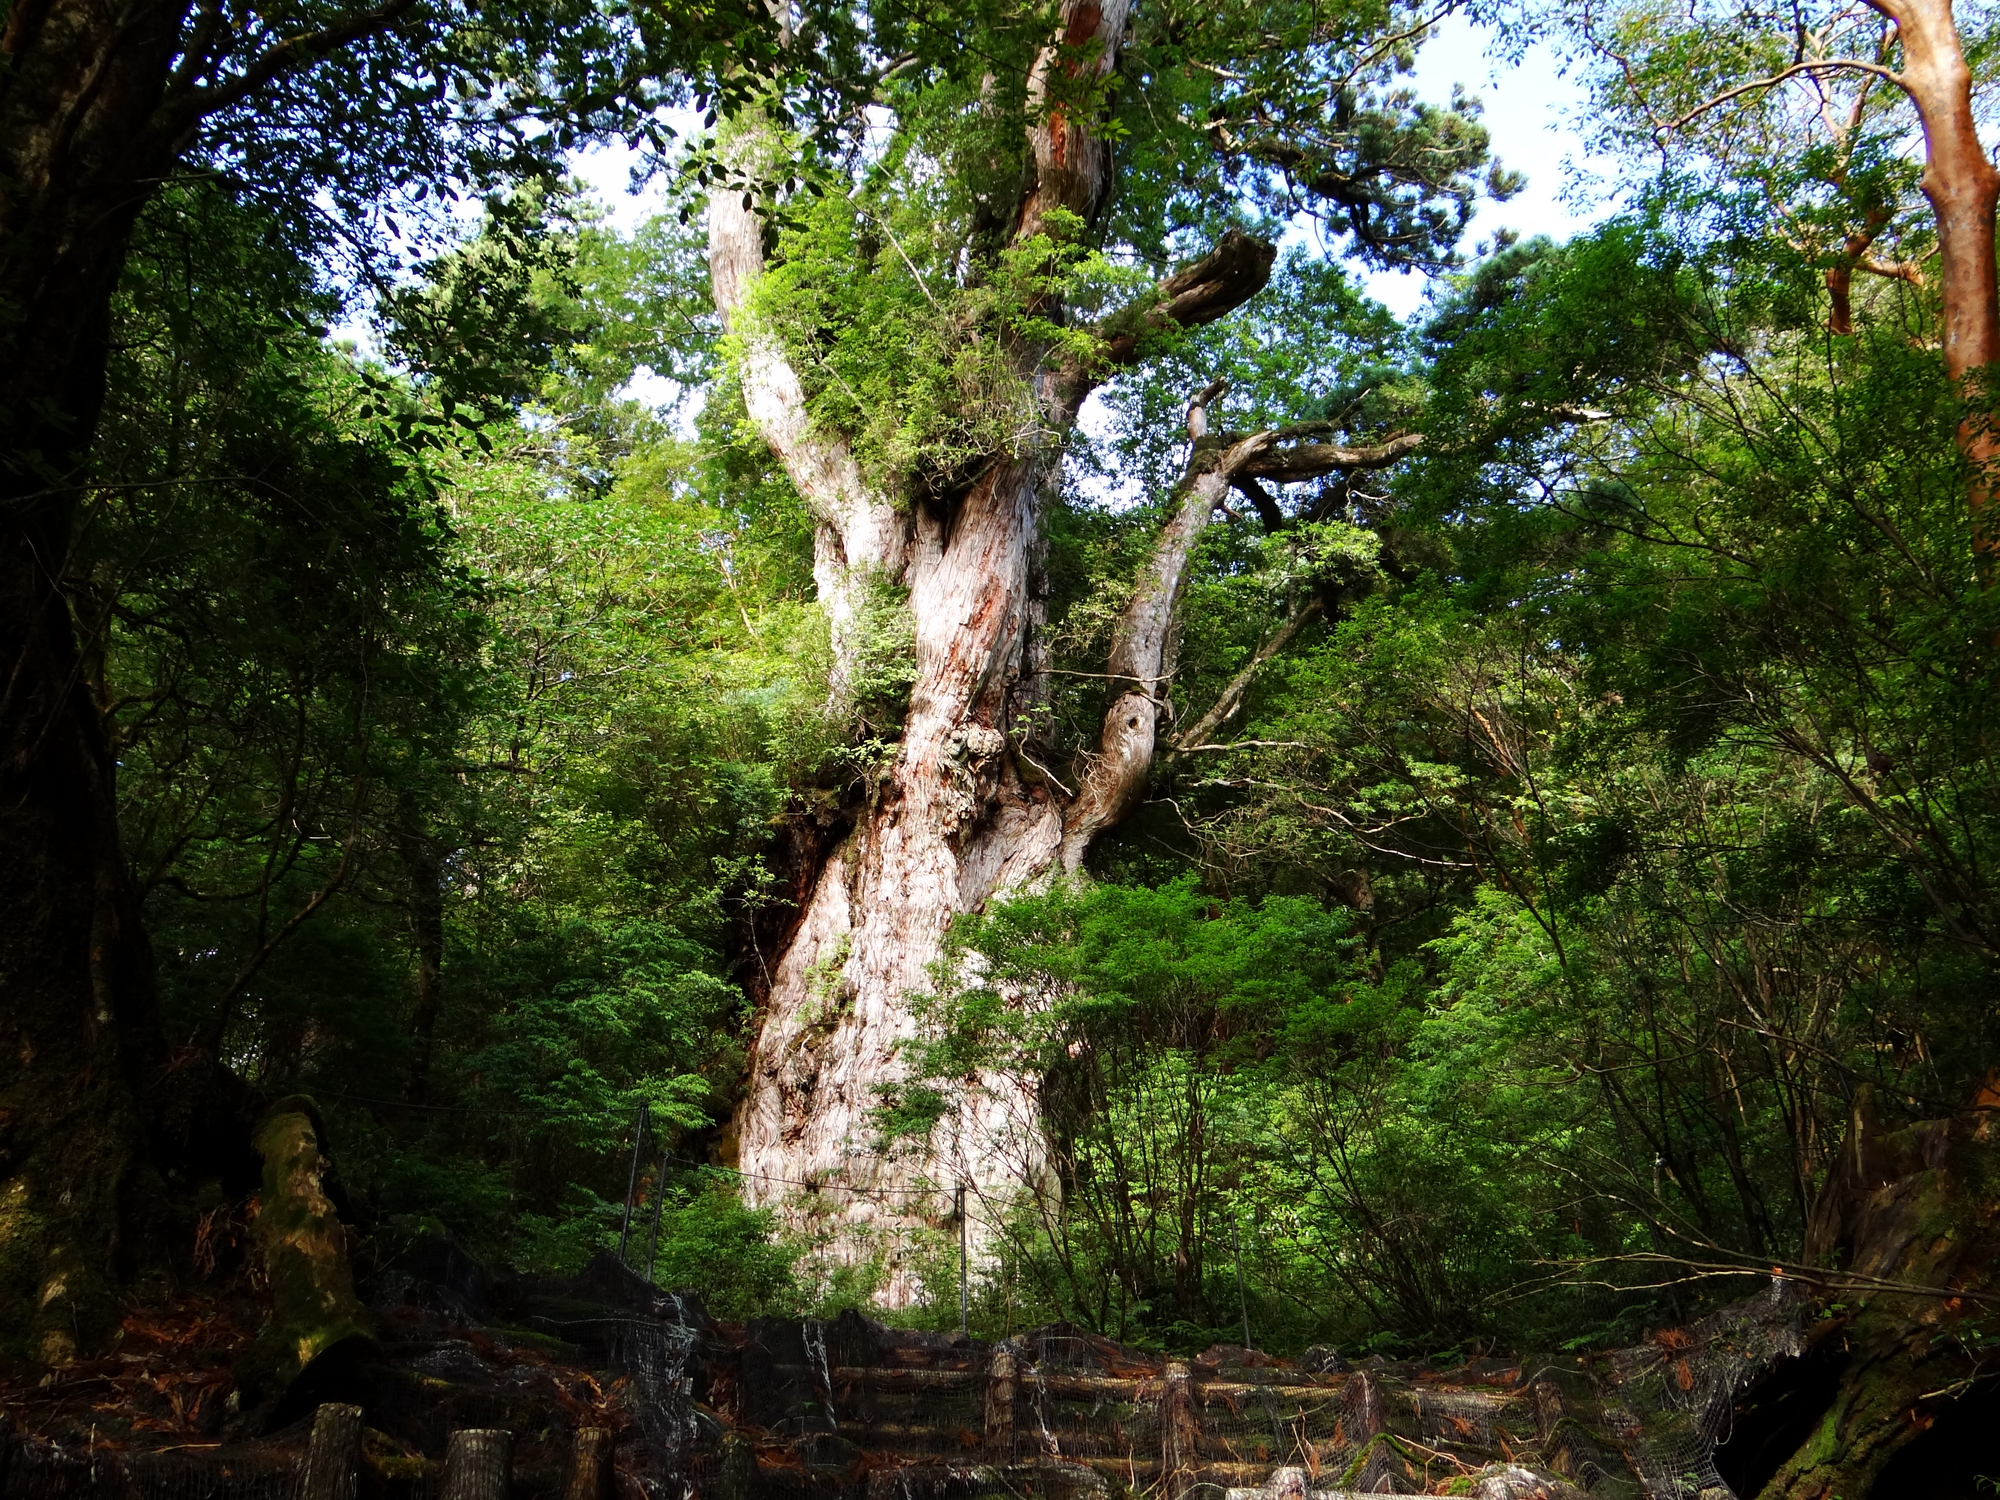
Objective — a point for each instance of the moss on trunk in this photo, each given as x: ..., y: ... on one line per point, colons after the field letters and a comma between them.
x: 1913, y: 1206
x: 304, y: 1245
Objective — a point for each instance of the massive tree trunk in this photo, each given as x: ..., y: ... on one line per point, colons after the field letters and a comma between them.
x: 79, y: 1039
x: 961, y: 813
x: 965, y: 812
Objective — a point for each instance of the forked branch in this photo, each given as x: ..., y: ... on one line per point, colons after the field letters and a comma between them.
x: 1115, y: 777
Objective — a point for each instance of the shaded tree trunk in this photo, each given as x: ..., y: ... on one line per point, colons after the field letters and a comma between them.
x: 79, y: 1035
x: 423, y: 866
x: 94, y: 113
x: 1909, y: 1208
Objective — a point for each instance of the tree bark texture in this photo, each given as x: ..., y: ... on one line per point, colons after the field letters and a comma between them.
x: 957, y: 816
x: 1912, y: 1207
x: 952, y: 821
x: 78, y: 84
x: 97, y: 102
x: 963, y: 813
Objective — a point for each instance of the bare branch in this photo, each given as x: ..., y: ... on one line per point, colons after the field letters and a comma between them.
x: 1193, y: 739
x: 1242, y: 745
x: 1197, y: 412
x: 1821, y: 65
x: 1266, y: 503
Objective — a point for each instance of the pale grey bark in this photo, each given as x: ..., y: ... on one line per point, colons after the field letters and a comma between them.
x: 961, y: 813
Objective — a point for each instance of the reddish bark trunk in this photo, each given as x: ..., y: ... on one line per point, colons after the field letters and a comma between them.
x: 1963, y: 187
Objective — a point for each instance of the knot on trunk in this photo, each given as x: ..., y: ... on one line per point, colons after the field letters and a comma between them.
x: 969, y: 770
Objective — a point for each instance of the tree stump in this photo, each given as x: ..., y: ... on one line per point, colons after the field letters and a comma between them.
x: 1001, y: 1386
x: 303, y: 1243
x: 1178, y: 1431
x: 590, y: 1465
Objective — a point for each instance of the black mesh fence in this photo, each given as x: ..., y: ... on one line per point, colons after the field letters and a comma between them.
x: 48, y: 1471
x: 847, y: 1409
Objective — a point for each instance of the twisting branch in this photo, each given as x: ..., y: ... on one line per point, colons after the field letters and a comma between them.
x: 1758, y: 85
x: 1114, y: 780
x: 1312, y: 460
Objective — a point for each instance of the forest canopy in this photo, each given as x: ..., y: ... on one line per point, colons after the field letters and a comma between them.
x: 1417, y: 834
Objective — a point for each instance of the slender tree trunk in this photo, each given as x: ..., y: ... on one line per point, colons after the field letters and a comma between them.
x: 1963, y: 187
x: 424, y: 869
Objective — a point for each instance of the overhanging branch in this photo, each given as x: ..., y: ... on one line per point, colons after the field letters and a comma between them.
x: 1236, y: 270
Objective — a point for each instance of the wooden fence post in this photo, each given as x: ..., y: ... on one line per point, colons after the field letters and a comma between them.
x: 1178, y: 1431
x: 1000, y: 1390
x: 333, y: 1457
x: 478, y: 1464
x: 739, y: 1466
x: 590, y: 1465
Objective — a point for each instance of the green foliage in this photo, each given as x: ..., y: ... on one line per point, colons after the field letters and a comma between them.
x: 1516, y: 944
x: 916, y: 363
x: 1157, y: 1018
x: 731, y: 1257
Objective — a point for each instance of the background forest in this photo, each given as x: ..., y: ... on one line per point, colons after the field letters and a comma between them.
x: 1598, y: 801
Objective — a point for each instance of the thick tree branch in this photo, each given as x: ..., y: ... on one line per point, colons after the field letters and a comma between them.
x: 1114, y: 778
x: 1236, y: 270
x: 860, y: 533
x: 1072, y: 161
x: 1306, y: 461
x: 1265, y: 502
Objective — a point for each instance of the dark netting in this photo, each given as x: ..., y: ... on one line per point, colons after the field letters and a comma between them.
x: 1669, y: 1402
x: 1262, y: 1418
x: 1067, y: 1406
x: 658, y: 1357
x: 847, y: 1409
x: 46, y: 1471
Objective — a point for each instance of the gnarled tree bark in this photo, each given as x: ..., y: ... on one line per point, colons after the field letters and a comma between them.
x: 963, y: 813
